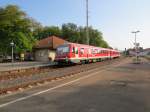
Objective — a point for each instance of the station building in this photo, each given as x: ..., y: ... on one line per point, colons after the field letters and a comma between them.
x: 45, y: 49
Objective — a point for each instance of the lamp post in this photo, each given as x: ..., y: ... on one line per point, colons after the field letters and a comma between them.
x: 12, y: 49
x: 136, y: 44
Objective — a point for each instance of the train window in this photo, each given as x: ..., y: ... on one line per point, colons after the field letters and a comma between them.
x: 96, y: 51
x: 99, y: 51
x: 89, y: 51
x: 82, y: 50
x: 63, y: 49
x: 93, y: 52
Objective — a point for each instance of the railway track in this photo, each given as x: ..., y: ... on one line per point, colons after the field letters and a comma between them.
x: 14, y: 82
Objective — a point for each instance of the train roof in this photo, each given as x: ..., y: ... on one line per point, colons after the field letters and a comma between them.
x: 76, y: 44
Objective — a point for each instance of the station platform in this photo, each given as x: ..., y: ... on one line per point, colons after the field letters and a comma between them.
x: 23, y: 65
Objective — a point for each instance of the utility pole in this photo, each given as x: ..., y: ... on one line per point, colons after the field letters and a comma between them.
x: 87, y: 23
x: 136, y: 44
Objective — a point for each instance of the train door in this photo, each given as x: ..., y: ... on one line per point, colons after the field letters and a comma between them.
x: 76, y: 53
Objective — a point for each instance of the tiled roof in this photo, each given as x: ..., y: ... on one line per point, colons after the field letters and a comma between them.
x: 50, y: 42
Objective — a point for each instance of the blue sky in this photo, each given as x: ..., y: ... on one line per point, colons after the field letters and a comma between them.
x: 115, y: 18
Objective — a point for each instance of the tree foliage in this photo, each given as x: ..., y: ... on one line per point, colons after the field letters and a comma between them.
x: 73, y: 33
x: 70, y: 32
x: 47, y: 31
x: 17, y: 27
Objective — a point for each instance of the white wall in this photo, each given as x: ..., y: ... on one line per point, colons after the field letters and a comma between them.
x: 44, y: 55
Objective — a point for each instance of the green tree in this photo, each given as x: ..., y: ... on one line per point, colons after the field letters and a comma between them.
x: 95, y: 37
x: 17, y: 27
x: 44, y: 32
x: 70, y: 32
x: 82, y: 35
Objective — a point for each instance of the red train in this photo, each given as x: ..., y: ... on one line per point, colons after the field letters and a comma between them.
x: 80, y: 53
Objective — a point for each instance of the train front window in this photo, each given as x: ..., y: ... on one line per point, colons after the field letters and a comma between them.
x: 63, y: 49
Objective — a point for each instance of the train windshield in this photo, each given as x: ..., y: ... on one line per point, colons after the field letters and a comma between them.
x: 63, y: 49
